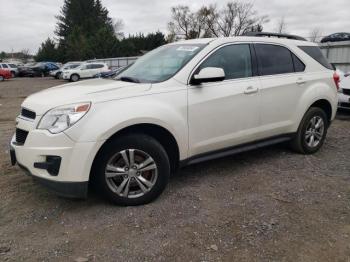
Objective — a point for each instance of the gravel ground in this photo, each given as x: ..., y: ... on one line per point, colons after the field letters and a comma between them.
x: 265, y: 205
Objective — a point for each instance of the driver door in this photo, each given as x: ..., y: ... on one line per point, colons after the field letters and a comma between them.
x: 225, y: 113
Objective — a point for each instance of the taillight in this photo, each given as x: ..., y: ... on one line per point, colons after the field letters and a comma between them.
x: 336, y: 79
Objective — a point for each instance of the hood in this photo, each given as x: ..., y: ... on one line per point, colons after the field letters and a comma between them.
x: 96, y: 90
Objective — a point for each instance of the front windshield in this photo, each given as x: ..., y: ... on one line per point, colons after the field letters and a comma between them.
x: 160, y: 64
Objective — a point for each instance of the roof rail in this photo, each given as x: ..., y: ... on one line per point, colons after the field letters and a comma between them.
x: 294, y: 37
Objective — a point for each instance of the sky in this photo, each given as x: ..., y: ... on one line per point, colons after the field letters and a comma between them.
x: 24, y: 24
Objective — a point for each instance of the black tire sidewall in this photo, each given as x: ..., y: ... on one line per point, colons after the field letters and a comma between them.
x: 314, y: 111
x: 140, y: 142
x: 71, y: 78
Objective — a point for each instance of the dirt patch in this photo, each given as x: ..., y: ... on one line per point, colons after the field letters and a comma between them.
x: 266, y: 205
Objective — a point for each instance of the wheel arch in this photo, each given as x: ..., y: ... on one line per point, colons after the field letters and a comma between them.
x: 161, y: 134
x: 326, y: 106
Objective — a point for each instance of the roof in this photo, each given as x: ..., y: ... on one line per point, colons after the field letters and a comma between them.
x: 223, y: 40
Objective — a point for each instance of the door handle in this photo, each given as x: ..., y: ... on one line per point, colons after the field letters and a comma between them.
x: 301, y: 81
x: 250, y: 90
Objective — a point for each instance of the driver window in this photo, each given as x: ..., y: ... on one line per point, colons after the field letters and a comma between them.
x: 235, y: 60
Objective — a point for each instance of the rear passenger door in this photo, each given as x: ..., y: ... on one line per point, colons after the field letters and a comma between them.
x: 282, y: 84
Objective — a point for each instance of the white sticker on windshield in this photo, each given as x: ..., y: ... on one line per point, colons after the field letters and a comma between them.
x: 187, y: 48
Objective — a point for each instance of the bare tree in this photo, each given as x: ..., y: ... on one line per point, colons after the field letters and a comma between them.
x: 118, y: 26
x: 281, y: 26
x: 235, y: 18
x: 187, y: 24
x: 315, y: 34
x: 25, y: 54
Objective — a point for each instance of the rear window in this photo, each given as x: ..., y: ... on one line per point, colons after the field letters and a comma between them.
x: 274, y: 59
x: 298, y: 65
x: 316, y: 54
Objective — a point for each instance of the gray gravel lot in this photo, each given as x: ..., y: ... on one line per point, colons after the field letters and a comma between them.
x: 264, y: 205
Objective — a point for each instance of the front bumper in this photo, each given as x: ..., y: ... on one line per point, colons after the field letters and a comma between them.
x: 65, y: 76
x: 344, y: 101
x: 66, y: 189
x: 70, y: 175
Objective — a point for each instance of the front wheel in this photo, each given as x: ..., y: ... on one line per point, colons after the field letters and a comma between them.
x: 58, y: 75
x: 132, y: 170
x: 74, y: 78
x: 311, y: 132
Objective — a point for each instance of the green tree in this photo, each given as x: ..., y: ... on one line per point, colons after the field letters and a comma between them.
x: 47, y: 51
x: 85, y: 30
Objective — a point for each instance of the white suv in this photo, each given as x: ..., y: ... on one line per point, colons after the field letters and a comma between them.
x: 86, y: 70
x: 180, y: 104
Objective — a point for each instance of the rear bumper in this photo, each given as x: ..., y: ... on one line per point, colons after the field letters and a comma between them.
x: 344, y: 101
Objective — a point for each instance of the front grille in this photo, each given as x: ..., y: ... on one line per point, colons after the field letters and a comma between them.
x: 21, y: 136
x: 28, y: 113
x: 346, y: 105
x: 346, y: 92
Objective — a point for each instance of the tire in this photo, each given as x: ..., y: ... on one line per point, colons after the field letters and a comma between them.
x: 57, y: 76
x: 155, y: 172
x: 302, y: 141
x: 2, y: 78
x: 74, y: 78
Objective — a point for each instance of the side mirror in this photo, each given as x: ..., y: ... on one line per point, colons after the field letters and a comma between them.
x: 208, y: 74
x: 347, y: 74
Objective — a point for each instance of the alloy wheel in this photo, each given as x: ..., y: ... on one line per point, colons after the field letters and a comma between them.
x: 131, y: 173
x: 314, y: 131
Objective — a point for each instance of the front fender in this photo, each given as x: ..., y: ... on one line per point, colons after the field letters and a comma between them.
x: 167, y: 110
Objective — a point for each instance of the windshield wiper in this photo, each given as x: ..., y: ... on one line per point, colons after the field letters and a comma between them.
x: 129, y: 79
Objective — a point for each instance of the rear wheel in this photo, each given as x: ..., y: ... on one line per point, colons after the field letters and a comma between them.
x: 2, y: 78
x: 132, y: 170
x: 74, y: 78
x: 312, y: 132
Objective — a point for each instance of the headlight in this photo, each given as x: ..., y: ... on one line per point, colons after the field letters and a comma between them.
x: 60, y: 118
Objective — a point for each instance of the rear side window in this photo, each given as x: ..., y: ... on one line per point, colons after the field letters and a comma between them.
x: 316, y: 54
x: 298, y: 65
x: 235, y: 60
x: 98, y: 66
x: 274, y: 59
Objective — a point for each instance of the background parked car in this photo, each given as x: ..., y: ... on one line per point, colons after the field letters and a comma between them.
x: 39, y: 69
x: 25, y: 71
x: 344, y: 90
x: 5, y: 74
x: 86, y: 70
x: 108, y: 74
x: 12, y: 67
x: 70, y: 65
x: 337, y: 37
